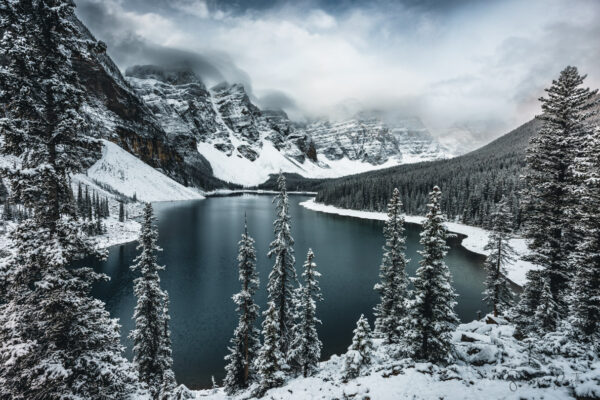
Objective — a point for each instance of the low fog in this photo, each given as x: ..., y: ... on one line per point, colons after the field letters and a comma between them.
x: 470, y: 70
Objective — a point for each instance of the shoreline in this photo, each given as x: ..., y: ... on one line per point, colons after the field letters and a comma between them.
x: 474, y: 240
x: 238, y: 192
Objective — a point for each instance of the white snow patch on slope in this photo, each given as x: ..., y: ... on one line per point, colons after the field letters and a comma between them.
x: 475, y: 240
x: 128, y: 175
x: 240, y: 170
x: 490, y: 364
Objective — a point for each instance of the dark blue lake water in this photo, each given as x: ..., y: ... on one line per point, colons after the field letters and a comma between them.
x: 200, y: 238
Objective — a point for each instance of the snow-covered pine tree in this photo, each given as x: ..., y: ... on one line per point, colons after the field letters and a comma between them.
x: 498, y: 293
x: 393, y: 286
x: 552, y: 209
x: 7, y: 213
x: 150, y: 358
x: 546, y: 315
x: 523, y: 314
x: 359, y: 352
x: 305, y: 351
x: 282, y: 278
x: 88, y: 204
x: 270, y: 362
x: 58, y: 342
x: 121, y: 211
x: 432, y: 318
x: 169, y: 384
x: 246, y: 338
x: 80, y: 199
x: 586, y: 287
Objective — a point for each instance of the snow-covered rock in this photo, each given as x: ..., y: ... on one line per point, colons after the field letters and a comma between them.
x: 129, y: 176
x: 370, y: 140
x: 244, y: 144
x: 492, y: 364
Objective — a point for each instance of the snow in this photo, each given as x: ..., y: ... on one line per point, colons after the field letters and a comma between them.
x: 128, y: 175
x: 234, y: 192
x: 238, y: 169
x: 118, y: 172
x: 491, y: 364
x: 475, y: 240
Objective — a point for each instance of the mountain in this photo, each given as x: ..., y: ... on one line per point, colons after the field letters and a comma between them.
x: 114, y: 111
x: 244, y: 144
x: 370, y: 140
x: 126, y: 174
x: 471, y: 184
x: 217, y: 137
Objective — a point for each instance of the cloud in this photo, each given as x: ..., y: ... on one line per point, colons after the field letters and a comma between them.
x: 460, y: 63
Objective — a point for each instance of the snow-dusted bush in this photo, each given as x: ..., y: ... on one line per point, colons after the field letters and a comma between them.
x: 359, y: 352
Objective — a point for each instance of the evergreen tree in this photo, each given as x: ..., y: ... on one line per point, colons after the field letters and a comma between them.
x: 432, y: 318
x: 88, y: 204
x: 58, y: 342
x: 498, y: 293
x: 359, y: 352
x: 246, y: 341
x: 121, y: 212
x: 79, y: 199
x: 270, y: 362
x: 168, y: 381
x: 7, y: 213
x: 282, y: 278
x: 393, y: 286
x: 586, y: 304
x: 546, y: 315
x: 99, y: 227
x: 548, y: 178
x: 106, y: 208
x: 523, y: 313
x: 305, y: 351
x: 150, y: 357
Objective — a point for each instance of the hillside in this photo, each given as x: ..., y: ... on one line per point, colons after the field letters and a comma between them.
x: 244, y: 144
x: 127, y: 175
x: 470, y: 183
x: 487, y: 363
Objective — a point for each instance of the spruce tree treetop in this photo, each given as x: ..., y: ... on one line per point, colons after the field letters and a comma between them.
x: 432, y: 318
x: 393, y: 285
x: 151, y: 358
x: 283, y: 278
x: 498, y: 293
x: 359, y: 352
x: 306, y: 347
x: 245, y: 342
x: 548, y: 198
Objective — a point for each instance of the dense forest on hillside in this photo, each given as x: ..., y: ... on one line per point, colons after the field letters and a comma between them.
x: 471, y: 184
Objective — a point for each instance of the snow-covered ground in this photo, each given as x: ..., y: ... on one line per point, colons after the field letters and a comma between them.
x: 475, y: 240
x: 129, y: 175
x: 117, y: 173
x: 489, y: 363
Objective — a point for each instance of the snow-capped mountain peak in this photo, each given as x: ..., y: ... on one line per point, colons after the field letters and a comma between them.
x: 226, y: 125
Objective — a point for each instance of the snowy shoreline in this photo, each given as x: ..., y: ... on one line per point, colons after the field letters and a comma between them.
x: 235, y: 192
x: 475, y: 238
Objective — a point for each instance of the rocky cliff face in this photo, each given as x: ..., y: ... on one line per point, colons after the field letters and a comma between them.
x: 116, y: 112
x: 226, y: 118
x: 169, y: 119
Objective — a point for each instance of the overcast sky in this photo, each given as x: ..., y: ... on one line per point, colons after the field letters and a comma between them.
x: 457, y: 64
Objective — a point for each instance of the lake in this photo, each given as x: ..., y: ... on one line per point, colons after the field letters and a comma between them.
x: 200, y: 239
